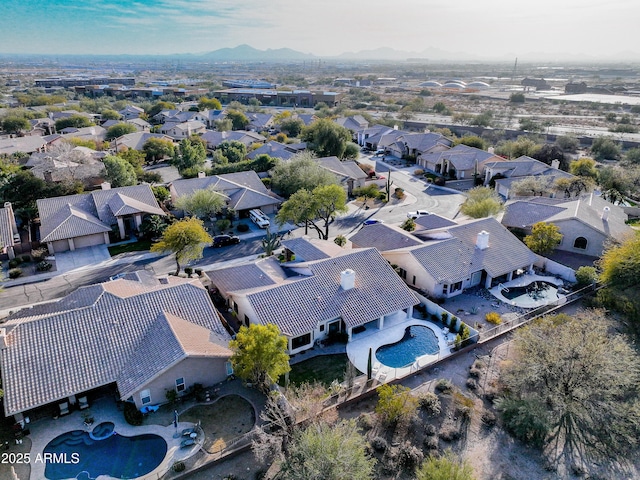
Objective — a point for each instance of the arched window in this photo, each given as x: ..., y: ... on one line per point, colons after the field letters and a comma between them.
x: 580, y: 243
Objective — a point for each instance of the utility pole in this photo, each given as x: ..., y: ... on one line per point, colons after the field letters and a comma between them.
x: 515, y: 69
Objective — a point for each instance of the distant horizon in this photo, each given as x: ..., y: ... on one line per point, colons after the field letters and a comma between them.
x: 466, y: 30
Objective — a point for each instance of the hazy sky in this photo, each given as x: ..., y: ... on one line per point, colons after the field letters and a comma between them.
x: 487, y: 28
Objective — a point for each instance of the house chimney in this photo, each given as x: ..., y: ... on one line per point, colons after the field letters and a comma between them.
x: 105, y: 186
x: 347, y: 279
x: 201, y: 174
x: 605, y: 213
x: 482, y: 240
x: 491, y: 150
x: 555, y: 164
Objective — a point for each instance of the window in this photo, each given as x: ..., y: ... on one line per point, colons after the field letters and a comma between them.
x: 403, y: 273
x: 456, y: 286
x: 414, y: 280
x: 445, y: 288
x: 322, y: 327
x: 145, y: 397
x: 300, y: 341
x: 580, y: 243
x: 180, y: 384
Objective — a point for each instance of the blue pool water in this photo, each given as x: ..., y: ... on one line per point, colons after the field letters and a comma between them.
x: 116, y: 455
x: 417, y: 341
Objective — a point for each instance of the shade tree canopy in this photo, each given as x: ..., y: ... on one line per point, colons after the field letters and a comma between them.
x: 482, y: 202
x: 301, y: 172
x: 185, y: 239
x: 119, y: 172
x: 326, y: 138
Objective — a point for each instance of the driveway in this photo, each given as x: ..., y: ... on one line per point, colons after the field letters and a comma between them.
x: 81, y: 257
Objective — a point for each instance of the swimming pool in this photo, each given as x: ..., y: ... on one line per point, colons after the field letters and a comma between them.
x: 533, y: 294
x: 416, y: 342
x: 116, y: 455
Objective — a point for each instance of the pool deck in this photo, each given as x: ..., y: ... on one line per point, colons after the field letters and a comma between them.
x: 392, y: 332
x: 523, y: 281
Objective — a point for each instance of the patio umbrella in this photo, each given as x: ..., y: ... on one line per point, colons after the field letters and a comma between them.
x: 369, y: 367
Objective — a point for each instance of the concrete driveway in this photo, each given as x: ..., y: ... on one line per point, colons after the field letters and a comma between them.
x: 81, y: 257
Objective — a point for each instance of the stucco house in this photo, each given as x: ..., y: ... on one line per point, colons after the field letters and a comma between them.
x: 414, y: 145
x: 312, y: 300
x: 443, y: 262
x: 458, y: 162
x: 137, y: 336
x: 214, y: 138
x: 136, y: 140
x: 243, y: 191
x: 276, y: 150
x: 9, y: 235
x: 348, y: 173
x: 370, y: 136
x: 180, y: 131
x: 586, y: 223
x: 83, y: 220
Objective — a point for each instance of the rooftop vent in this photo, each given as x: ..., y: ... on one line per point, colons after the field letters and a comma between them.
x: 605, y: 213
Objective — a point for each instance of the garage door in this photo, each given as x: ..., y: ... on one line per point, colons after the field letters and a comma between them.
x: 60, y: 246
x: 89, y: 240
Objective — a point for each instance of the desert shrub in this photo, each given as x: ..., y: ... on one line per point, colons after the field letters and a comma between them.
x: 525, y: 420
x: 493, y: 317
x: 15, y: 272
x: 340, y: 240
x: 188, y: 270
x: 430, y: 403
x: 474, y: 372
x: 44, y: 266
x: 409, y: 457
x: 443, y: 385
x: 365, y: 421
x: 38, y: 254
x: 382, y: 197
x: 586, y: 276
x: 379, y: 444
x: 396, y: 404
x: 132, y: 415
x: 430, y: 430
x: 242, y: 227
x: 439, y: 181
x: 178, y: 467
x: 488, y: 418
x: 409, y: 225
x: 450, y: 433
x: 399, y: 193
x: 471, y: 384
x: 418, y: 172
x: 431, y: 443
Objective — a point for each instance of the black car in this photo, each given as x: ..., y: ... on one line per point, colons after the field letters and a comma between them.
x: 224, y: 240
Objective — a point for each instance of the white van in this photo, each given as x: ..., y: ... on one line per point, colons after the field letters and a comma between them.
x: 258, y: 217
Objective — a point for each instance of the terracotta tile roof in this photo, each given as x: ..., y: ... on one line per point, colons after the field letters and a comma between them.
x: 89, y: 338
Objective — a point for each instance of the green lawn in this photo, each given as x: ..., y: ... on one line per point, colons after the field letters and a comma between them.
x: 323, y: 368
x: 130, y: 247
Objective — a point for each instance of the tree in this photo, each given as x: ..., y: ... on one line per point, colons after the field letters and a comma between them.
x: 620, y: 264
x: 328, y: 452
x: 202, y: 203
x: 260, y: 354
x: 632, y: 156
x: 568, y: 143
x: 544, y: 238
x: 270, y: 242
x: 159, y: 107
x: 517, y: 97
x: 292, y: 126
x: 603, y: 148
x: 586, y: 276
x: 77, y: 121
x: 317, y: 209
x: 233, y: 151
x: 584, y: 167
x: 15, y: 124
x: 109, y: 114
x: 301, y: 172
x: 190, y: 155
x: 209, y: 104
x: 120, y: 173
x: 238, y: 119
x: 481, y: 202
x: 223, y: 125
x: 396, y: 404
x: 549, y: 152
x: 530, y: 125
x: 573, y: 186
x: 580, y: 378
x: 326, y: 138
x: 532, y: 186
x: 445, y: 467
x: 616, y: 183
x: 515, y: 149
x: 409, y: 225
x: 471, y: 141
x: 153, y: 226
x: 351, y: 151
x: 186, y: 239
x: 156, y: 149
x: 119, y: 129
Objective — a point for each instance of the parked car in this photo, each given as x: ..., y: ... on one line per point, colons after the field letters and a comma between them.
x: 224, y: 240
x: 418, y: 214
x: 372, y: 221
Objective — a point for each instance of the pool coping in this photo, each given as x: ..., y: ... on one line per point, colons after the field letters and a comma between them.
x: 523, y: 281
x: 358, y: 348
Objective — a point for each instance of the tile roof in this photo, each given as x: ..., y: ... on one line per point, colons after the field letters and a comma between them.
x: 348, y: 169
x: 309, y: 249
x: 462, y: 157
x: 7, y: 221
x: 383, y: 237
x: 89, y: 213
x: 456, y: 258
x: 136, y: 140
x: 273, y: 149
x: 433, y: 221
x: 525, y: 167
x: 297, y: 306
x: 95, y: 336
x: 240, y: 277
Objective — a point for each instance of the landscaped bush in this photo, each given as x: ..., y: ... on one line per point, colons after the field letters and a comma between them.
x: 472, y: 384
x: 242, y: 227
x: 38, y: 254
x: 418, y: 172
x: 44, y: 266
x: 15, y: 272
x: 454, y: 324
x: 439, y: 181
x: 431, y: 442
x: 409, y: 457
x: 379, y: 444
x: 365, y: 421
x: 445, y: 318
x: 188, y: 270
x: 450, y: 433
x: 178, y: 467
x: 586, y: 276
x: 430, y: 403
x: 132, y: 415
x: 493, y: 317
x: 399, y: 193
x: 25, y: 259
x: 430, y: 430
x: 474, y: 372
x: 443, y: 385
x: 14, y: 262
x: 488, y: 418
